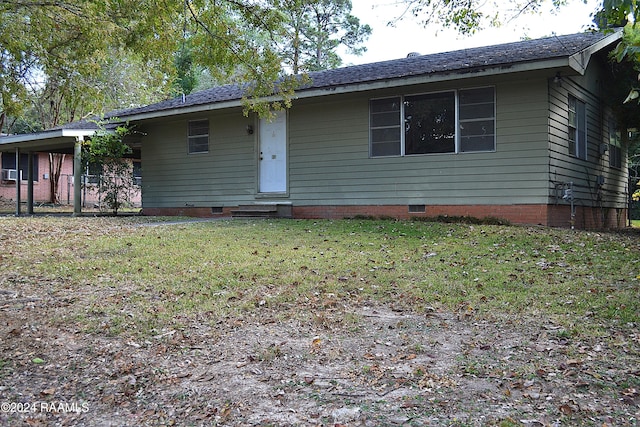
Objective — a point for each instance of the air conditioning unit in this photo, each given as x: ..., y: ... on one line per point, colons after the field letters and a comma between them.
x: 10, y: 174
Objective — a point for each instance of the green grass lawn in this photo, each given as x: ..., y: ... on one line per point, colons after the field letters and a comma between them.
x: 144, y: 279
x: 153, y: 321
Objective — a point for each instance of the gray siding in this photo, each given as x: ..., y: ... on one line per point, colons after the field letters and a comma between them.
x: 564, y: 168
x: 330, y: 163
x: 226, y: 175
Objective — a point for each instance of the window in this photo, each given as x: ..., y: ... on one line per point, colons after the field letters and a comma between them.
x: 9, y: 162
x: 477, y: 119
x: 93, y: 174
x: 198, y: 136
x: 137, y: 172
x: 385, y: 127
x: 429, y: 123
x: 577, y: 128
x: 615, y: 150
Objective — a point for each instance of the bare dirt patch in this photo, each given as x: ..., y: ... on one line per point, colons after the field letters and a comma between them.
x: 360, y: 366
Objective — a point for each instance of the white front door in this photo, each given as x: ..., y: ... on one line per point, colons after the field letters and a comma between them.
x: 273, y: 154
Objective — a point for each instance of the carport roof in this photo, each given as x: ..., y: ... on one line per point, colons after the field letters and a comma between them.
x: 54, y: 140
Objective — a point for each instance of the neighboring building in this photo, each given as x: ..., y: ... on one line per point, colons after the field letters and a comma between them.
x: 42, y: 180
x: 517, y: 131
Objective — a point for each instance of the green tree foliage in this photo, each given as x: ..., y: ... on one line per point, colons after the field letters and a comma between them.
x: 106, y: 154
x: 186, y: 73
x: 64, y: 51
x: 314, y: 31
x: 52, y: 54
x: 625, y: 13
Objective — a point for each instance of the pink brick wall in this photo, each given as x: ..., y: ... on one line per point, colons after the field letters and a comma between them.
x: 42, y: 185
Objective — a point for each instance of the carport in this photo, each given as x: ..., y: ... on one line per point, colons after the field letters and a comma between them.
x: 59, y: 140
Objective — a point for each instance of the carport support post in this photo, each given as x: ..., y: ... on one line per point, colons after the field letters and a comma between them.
x: 77, y: 176
x: 18, y: 183
x: 30, y: 183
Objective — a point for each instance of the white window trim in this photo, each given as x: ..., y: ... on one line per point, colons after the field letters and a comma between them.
x: 456, y: 94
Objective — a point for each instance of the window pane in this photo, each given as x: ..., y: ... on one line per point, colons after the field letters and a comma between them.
x: 477, y: 136
x: 476, y: 110
x: 385, y: 105
x: 199, y: 127
x: 577, y: 128
x: 476, y: 143
x: 385, y: 142
x: 572, y: 141
x: 430, y: 123
x: 477, y: 128
x: 385, y: 149
x: 477, y: 96
x: 199, y: 144
x: 615, y: 156
x: 8, y: 160
x: 386, y: 135
x: 385, y: 119
x: 581, y: 130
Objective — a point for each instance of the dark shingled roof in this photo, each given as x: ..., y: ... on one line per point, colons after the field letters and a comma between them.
x: 454, y: 62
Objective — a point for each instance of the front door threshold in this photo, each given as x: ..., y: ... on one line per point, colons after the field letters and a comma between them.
x: 272, y: 195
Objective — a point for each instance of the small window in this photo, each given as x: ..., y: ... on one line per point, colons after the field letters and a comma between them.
x: 577, y: 128
x: 198, y: 136
x: 137, y: 173
x: 93, y: 174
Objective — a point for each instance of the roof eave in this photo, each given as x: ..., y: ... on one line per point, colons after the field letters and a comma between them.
x: 56, y: 139
x: 580, y: 60
x: 49, y: 134
x: 441, y: 77
x: 502, y: 69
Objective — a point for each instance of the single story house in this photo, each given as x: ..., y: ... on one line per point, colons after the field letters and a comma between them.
x: 516, y: 131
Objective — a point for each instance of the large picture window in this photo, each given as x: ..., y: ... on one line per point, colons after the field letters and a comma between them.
x: 430, y: 123
x: 198, y: 136
x: 577, y: 128
x: 433, y: 123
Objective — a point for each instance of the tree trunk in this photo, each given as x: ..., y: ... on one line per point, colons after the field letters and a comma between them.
x: 55, y: 168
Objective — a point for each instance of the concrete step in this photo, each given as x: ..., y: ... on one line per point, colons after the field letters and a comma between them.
x: 259, y: 210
